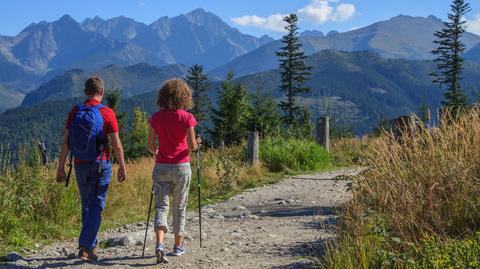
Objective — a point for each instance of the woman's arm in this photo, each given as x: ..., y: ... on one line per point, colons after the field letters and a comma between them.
x: 193, y: 143
x: 152, y: 136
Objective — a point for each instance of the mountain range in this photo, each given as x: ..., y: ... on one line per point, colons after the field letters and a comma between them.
x: 402, y: 37
x: 195, y: 37
x: 359, y: 77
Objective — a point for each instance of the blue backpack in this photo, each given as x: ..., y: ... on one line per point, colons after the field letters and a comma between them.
x: 86, y: 136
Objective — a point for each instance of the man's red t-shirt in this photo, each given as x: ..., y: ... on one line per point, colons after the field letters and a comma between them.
x: 171, y: 128
x: 110, y: 125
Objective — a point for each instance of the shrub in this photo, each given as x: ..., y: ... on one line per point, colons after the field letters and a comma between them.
x: 284, y: 154
x: 427, y: 187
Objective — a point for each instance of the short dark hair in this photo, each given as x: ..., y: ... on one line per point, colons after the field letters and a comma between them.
x: 174, y: 94
x: 93, y: 86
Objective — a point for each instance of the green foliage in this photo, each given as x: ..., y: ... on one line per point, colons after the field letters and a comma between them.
x: 230, y: 118
x: 136, y: 139
x: 449, y: 50
x: 198, y: 82
x: 294, y: 71
x: 112, y: 100
x: 292, y: 154
x: 33, y: 206
x: 264, y: 114
x: 376, y: 248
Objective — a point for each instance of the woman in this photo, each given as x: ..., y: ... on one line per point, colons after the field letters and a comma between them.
x: 173, y: 127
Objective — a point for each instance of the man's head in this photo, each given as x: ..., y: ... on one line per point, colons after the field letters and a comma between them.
x: 94, y: 87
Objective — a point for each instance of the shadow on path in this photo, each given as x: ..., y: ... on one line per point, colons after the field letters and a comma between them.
x: 63, y: 262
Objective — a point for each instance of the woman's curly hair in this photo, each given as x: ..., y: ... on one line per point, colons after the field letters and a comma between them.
x: 175, y: 94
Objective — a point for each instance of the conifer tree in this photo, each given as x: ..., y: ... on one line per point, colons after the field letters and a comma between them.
x: 294, y: 71
x: 112, y: 100
x: 198, y: 82
x: 448, y: 54
x: 264, y: 114
x: 137, y: 137
x: 230, y: 118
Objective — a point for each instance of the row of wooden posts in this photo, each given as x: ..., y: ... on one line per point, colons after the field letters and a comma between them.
x: 322, y: 136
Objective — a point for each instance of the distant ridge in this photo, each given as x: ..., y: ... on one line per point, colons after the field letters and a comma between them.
x: 132, y: 80
x: 196, y: 37
x: 401, y: 37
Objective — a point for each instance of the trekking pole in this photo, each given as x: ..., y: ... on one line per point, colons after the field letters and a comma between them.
x: 148, y: 221
x: 197, y: 154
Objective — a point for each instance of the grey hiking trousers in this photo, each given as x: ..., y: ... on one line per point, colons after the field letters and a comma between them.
x: 171, y: 179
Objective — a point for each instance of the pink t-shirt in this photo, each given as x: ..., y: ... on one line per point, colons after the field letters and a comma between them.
x: 171, y: 128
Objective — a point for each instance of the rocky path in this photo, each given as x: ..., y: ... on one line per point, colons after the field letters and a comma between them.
x: 276, y: 226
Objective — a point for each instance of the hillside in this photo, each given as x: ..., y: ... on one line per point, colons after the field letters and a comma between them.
x: 9, y: 98
x: 356, y: 89
x: 198, y: 37
x: 132, y: 80
x: 402, y: 37
x: 360, y: 88
x: 473, y: 54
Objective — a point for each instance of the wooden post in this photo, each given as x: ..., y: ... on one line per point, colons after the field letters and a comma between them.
x: 253, y: 147
x: 323, y: 132
x: 43, y: 151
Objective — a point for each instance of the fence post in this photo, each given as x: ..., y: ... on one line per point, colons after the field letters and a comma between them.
x: 43, y: 152
x: 323, y: 132
x: 253, y: 147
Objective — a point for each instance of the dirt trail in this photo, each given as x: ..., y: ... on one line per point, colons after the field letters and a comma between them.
x: 275, y: 226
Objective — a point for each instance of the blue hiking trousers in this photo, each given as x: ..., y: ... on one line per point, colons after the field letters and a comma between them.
x: 93, y: 186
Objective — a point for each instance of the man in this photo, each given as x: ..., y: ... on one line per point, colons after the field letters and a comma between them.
x: 93, y: 171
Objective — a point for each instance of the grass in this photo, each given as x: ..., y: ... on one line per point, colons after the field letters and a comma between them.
x: 417, y: 206
x: 36, y: 209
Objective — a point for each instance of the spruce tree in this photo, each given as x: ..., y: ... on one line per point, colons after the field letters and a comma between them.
x: 264, y: 116
x: 448, y: 54
x: 198, y: 82
x: 294, y: 71
x: 230, y: 118
x: 112, y: 100
x: 137, y: 136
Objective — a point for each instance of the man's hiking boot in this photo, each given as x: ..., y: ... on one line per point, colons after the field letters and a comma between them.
x: 87, y: 255
x: 178, y: 251
x: 160, y: 253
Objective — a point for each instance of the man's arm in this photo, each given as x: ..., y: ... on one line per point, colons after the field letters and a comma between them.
x: 118, y: 150
x: 152, y: 136
x: 61, y: 177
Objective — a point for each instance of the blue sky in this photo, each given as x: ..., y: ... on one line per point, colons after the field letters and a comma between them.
x: 324, y: 15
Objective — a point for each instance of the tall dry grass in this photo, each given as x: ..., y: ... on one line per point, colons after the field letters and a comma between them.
x: 425, y: 187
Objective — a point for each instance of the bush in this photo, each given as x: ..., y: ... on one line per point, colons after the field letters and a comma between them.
x: 284, y: 154
x: 427, y: 187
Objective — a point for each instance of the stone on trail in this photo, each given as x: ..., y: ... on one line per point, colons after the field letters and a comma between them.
x: 240, y: 208
x: 217, y: 216
x: 125, y: 240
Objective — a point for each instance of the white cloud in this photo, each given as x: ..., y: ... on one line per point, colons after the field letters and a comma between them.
x: 317, y: 11
x: 474, y: 25
x: 273, y: 22
x: 343, y: 12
